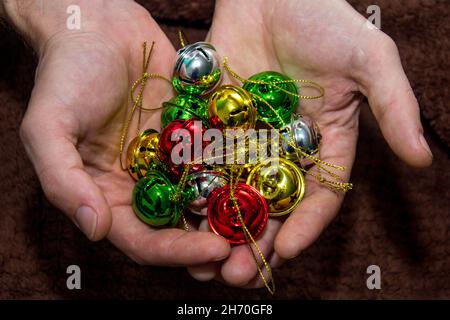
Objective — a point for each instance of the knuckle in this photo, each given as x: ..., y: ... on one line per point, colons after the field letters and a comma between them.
x: 49, y: 184
x: 137, y: 259
x: 388, y: 44
x: 134, y: 252
x: 140, y: 13
x: 25, y: 131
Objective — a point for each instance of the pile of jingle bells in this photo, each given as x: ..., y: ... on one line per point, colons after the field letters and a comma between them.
x: 237, y: 198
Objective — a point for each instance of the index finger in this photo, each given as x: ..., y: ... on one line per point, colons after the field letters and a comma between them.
x: 164, y: 247
x: 320, y: 205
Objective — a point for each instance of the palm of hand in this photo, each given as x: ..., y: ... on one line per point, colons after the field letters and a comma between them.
x: 82, y: 90
x: 315, y: 40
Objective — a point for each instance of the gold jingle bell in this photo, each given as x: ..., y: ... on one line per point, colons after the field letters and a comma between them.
x: 142, y: 154
x: 280, y: 182
x: 231, y: 107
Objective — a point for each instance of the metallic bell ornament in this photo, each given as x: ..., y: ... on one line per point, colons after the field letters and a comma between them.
x: 187, y: 131
x: 241, y: 157
x: 281, y: 184
x: 223, y: 217
x: 197, y: 69
x: 304, y: 133
x: 198, y: 187
x: 142, y: 154
x: 184, y: 107
x: 153, y: 200
x: 231, y: 107
x: 283, y: 103
x: 200, y: 184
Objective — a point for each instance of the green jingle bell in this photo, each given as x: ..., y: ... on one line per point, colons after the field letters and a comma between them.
x: 184, y: 107
x: 153, y: 200
x: 274, y: 94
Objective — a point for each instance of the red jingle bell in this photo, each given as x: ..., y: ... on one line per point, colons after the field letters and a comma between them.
x: 223, y: 215
x: 181, y: 142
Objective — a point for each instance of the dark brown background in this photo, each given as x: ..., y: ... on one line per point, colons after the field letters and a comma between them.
x: 397, y: 217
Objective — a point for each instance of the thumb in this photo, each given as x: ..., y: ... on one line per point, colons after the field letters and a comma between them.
x: 393, y: 103
x: 62, y: 175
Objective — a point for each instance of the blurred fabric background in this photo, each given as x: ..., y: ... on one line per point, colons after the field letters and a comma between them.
x: 396, y: 217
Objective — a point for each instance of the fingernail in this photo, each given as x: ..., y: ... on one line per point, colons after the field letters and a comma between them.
x: 425, y: 145
x: 221, y: 258
x: 293, y: 256
x: 86, y: 220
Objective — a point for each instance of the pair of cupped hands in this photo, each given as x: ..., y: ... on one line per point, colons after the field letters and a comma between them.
x: 72, y: 127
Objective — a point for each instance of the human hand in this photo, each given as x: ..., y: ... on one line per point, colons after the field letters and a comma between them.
x: 330, y: 43
x: 72, y: 126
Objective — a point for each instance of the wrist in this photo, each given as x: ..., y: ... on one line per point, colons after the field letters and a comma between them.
x: 39, y: 20
x: 35, y: 20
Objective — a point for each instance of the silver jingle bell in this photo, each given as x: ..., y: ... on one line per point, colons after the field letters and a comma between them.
x: 304, y: 133
x: 198, y: 186
x: 197, y: 69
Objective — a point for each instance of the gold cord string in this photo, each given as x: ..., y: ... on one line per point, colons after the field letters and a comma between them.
x: 308, y: 83
x: 178, y: 192
x: 268, y: 283
x: 270, y: 106
x: 181, y: 37
x: 320, y: 164
x: 149, y: 76
x: 138, y: 101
